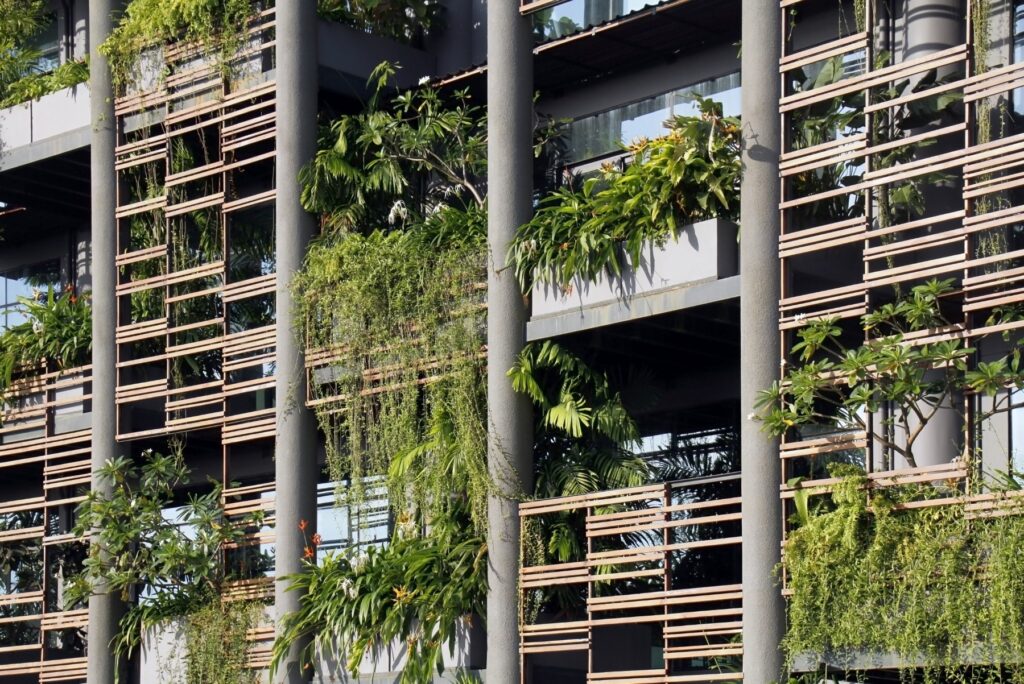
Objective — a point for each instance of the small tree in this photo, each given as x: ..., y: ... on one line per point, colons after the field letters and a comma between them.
x: 834, y: 384
x: 168, y: 567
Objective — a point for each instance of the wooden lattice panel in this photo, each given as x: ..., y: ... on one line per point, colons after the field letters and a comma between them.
x: 847, y: 244
x: 196, y: 196
x: 45, y: 446
x: 653, y: 559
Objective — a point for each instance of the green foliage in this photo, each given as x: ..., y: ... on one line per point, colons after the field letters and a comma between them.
x: 832, y: 383
x: 582, y: 440
x: 689, y: 175
x: 167, y: 568
x: 398, y: 163
x: 932, y: 586
x: 216, y: 640
x: 582, y: 429
x: 34, y: 86
x: 146, y: 25
x: 57, y: 331
x: 393, y: 293
x: 406, y: 20
x: 20, y: 77
x: 419, y: 589
x: 406, y: 395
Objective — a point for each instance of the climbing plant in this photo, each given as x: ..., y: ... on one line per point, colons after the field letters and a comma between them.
x: 169, y: 564
x: 934, y: 586
x: 688, y: 175
x: 148, y: 25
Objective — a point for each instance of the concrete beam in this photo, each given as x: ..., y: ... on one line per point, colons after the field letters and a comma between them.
x: 510, y: 438
x: 763, y: 607
x: 643, y: 306
x: 105, y: 608
x: 296, y: 448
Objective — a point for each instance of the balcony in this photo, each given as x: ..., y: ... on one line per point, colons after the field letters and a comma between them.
x: 699, y: 266
x: 52, y: 125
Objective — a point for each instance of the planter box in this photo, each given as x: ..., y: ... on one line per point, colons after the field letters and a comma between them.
x: 469, y: 654
x: 50, y: 116
x: 701, y: 252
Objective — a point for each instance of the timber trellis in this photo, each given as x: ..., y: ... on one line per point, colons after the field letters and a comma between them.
x: 967, y: 164
x: 195, y: 161
x: 44, y: 430
x: 663, y: 556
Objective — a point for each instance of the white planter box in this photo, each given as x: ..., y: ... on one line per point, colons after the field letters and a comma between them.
x: 701, y: 252
x: 469, y: 654
x: 51, y: 115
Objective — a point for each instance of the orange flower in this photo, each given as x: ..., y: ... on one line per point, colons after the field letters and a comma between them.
x: 307, y: 552
x: 303, y: 525
x: 317, y: 539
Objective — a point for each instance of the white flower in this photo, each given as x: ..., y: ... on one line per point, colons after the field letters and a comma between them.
x: 752, y: 416
x: 799, y: 317
x: 424, y: 80
x: 398, y: 211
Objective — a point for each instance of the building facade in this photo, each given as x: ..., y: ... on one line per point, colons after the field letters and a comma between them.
x: 880, y: 146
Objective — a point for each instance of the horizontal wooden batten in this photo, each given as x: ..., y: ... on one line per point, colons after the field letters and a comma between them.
x: 696, y: 622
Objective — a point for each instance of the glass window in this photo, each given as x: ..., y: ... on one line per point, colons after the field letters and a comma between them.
x: 342, y: 526
x: 1017, y: 431
x: 605, y: 133
x: 25, y: 281
x: 576, y: 15
x: 47, y: 43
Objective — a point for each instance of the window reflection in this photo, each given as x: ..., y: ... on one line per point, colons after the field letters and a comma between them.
x: 25, y: 282
x: 605, y: 133
x: 576, y: 15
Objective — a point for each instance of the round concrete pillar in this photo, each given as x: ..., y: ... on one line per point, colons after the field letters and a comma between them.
x: 105, y: 609
x: 763, y: 607
x: 295, y: 451
x: 510, y: 438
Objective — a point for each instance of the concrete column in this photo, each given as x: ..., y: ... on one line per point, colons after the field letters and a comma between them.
x: 296, y: 447
x: 763, y: 608
x: 931, y: 26
x: 105, y: 609
x: 510, y: 432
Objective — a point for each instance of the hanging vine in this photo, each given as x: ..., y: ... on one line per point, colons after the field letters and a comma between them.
x: 405, y: 397
x: 937, y: 588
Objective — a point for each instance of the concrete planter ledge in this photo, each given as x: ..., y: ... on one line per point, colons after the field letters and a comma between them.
x: 49, y: 116
x: 703, y: 256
